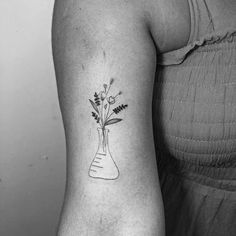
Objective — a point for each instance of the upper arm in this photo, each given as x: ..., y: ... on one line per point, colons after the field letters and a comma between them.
x: 93, y: 42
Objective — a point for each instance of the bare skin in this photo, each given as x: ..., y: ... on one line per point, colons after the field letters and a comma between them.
x: 94, y: 41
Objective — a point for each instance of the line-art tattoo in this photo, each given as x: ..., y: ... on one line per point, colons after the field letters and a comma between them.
x: 103, y: 165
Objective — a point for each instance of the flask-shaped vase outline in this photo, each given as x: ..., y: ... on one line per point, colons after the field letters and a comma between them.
x: 103, y: 166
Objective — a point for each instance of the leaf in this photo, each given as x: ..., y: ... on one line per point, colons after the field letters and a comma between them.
x: 96, y: 99
x: 120, y: 108
x: 94, y: 106
x: 113, y: 121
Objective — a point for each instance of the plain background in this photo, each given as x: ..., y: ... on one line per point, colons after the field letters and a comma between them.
x: 32, y: 145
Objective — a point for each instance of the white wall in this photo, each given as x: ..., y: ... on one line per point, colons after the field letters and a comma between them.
x: 32, y: 146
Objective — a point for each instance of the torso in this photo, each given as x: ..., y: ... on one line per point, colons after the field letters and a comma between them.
x: 194, y: 116
x: 195, y: 103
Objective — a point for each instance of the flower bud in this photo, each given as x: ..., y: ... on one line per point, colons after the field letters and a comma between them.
x: 111, y: 100
x: 111, y: 81
x: 105, y: 87
x: 103, y: 95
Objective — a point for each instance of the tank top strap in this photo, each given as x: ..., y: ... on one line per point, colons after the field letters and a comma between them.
x: 201, y: 19
x: 201, y: 24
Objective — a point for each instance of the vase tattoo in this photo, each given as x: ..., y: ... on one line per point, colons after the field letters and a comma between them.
x: 103, y: 165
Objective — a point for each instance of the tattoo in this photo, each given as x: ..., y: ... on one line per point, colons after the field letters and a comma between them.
x: 103, y: 165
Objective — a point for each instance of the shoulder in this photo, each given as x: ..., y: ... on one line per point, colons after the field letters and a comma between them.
x: 168, y: 21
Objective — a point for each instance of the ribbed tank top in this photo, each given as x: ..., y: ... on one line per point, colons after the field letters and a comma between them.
x: 195, y: 93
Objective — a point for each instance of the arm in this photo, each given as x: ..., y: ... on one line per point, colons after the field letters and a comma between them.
x: 104, y: 47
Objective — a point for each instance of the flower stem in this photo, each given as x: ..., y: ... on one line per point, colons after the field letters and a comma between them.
x: 103, y: 139
x: 108, y: 89
x: 108, y: 110
x: 110, y: 115
x: 102, y: 114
